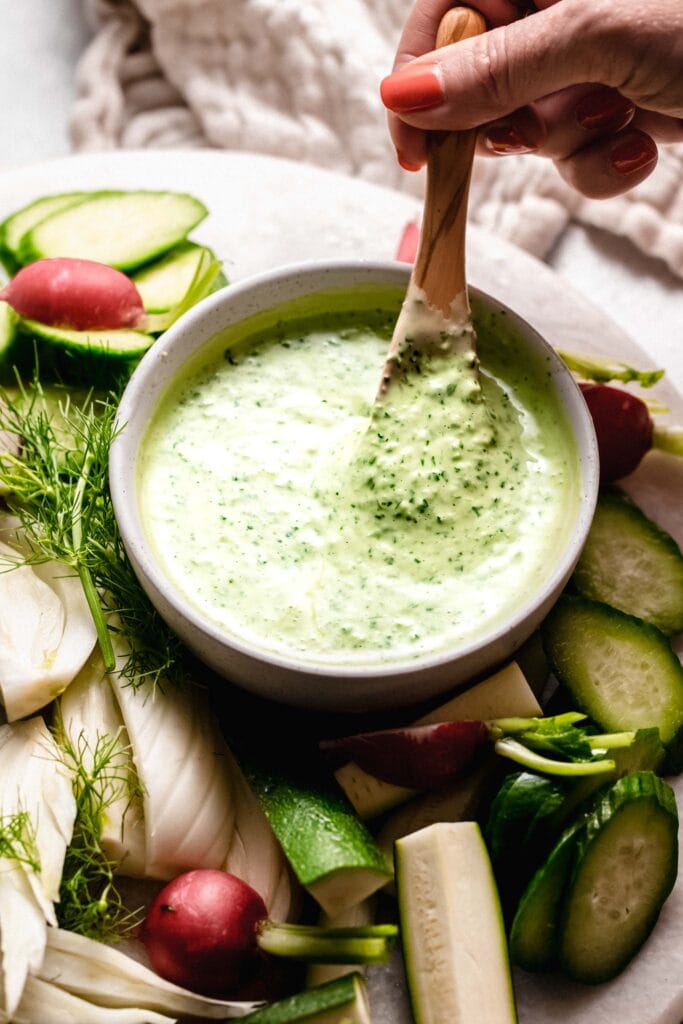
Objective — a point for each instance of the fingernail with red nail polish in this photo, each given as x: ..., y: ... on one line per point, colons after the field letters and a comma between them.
x: 633, y: 154
x: 408, y: 165
x: 604, y: 109
x: 417, y: 86
x: 506, y: 138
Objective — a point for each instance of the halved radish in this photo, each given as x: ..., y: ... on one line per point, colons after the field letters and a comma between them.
x: 417, y: 757
x: 76, y: 294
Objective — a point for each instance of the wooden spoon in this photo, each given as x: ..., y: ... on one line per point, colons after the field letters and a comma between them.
x: 437, y: 293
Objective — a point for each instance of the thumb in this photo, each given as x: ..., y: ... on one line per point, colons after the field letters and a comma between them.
x: 481, y: 79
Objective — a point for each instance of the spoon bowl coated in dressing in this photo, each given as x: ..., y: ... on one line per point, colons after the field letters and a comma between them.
x: 435, y: 316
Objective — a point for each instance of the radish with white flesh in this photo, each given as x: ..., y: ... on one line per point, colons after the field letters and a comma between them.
x: 46, y: 632
x: 427, y: 756
x: 418, y: 757
x: 75, y: 294
x: 205, y: 930
x: 504, y: 693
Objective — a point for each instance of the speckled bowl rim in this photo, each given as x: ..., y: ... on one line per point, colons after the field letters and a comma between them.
x: 258, y: 293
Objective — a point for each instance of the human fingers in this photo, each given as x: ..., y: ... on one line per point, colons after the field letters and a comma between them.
x: 418, y: 37
x: 661, y: 127
x: 610, y: 166
x: 559, y: 124
x: 419, y: 32
x: 481, y: 79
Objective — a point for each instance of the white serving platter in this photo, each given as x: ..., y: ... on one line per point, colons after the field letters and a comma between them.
x: 265, y: 212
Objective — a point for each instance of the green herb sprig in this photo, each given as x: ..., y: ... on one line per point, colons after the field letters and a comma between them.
x: 90, y: 901
x: 18, y: 840
x: 58, y: 486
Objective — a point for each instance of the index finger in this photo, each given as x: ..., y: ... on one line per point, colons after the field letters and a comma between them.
x: 419, y: 32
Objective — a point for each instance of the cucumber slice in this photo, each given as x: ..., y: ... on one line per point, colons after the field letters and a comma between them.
x: 220, y: 281
x: 620, y: 671
x: 519, y: 830
x: 533, y: 936
x: 506, y: 694
x: 360, y: 916
x: 9, y: 328
x: 88, y: 358
x: 123, y: 229
x: 522, y: 800
x: 342, y: 1001
x: 329, y: 849
x: 13, y: 229
x: 451, y: 926
x: 626, y: 866
x: 630, y: 563
x: 164, y: 284
x: 646, y: 753
x: 119, y: 344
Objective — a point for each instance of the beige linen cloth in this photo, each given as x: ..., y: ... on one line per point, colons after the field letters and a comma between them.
x: 299, y: 79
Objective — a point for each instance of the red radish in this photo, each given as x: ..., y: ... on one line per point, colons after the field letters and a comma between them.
x: 623, y: 427
x: 418, y: 757
x: 75, y: 294
x: 205, y: 930
x: 407, y: 246
x: 200, y: 930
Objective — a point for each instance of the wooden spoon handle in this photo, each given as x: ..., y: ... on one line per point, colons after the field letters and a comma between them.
x: 440, y: 262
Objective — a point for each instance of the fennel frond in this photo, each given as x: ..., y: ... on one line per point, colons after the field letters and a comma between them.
x: 90, y: 901
x: 18, y: 840
x: 58, y: 486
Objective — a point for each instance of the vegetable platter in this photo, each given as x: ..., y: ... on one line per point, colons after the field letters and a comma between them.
x: 250, y: 227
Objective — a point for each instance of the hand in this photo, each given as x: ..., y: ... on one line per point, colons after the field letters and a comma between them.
x: 593, y: 84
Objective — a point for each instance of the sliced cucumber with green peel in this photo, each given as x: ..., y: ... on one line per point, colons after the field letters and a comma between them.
x: 519, y: 806
x: 621, y: 671
x: 342, y: 1001
x: 9, y: 329
x: 646, y: 753
x: 118, y: 344
x: 19, y: 223
x: 88, y: 358
x: 630, y: 563
x: 519, y: 830
x: 534, y: 932
x: 164, y: 284
x: 452, y: 929
x: 626, y: 865
x: 329, y: 849
x: 220, y: 281
x: 123, y: 229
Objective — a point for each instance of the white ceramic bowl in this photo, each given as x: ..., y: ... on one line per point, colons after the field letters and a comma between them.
x: 289, y: 679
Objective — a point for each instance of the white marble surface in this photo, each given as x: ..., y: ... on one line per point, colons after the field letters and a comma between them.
x: 39, y: 46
